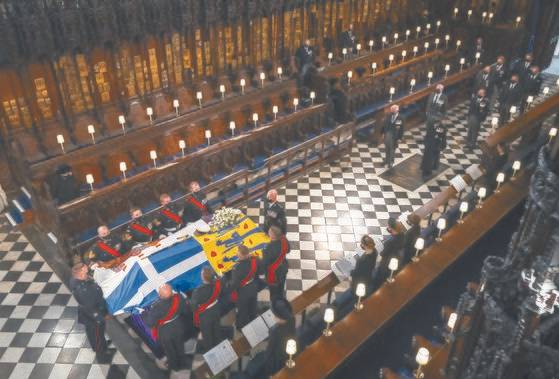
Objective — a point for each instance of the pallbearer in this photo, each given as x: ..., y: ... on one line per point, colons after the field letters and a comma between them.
x: 206, y: 309
x: 196, y: 206
x: 108, y: 251
x: 167, y: 318
x: 244, y: 288
x: 274, y: 213
x: 169, y: 219
x: 274, y: 262
x: 139, y: 230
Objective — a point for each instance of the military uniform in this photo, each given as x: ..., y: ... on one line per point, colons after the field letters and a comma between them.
x: 511, y: 94
x: 168, y: 320
x: 274, y: 216
x: 479, y: 109
x: 500, y: 73
x: 436, y: 105
x: 92, y: 310
x: 245, y: 290
x: 106, y: 249
x: 483, y: 80
x: 170, y: 218
x: 207, y: 313
x: 138, y: 231
x: 274, y: 262
x: 393, y: 129
x: 196, y: 207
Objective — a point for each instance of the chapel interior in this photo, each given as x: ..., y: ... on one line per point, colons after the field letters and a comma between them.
x: 279, y: 189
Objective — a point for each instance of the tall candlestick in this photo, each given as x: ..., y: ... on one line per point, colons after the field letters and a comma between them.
x: 91, y: 131
x: 262, y: 78
x: 232, y: 127
x: 199, y: 97
x: 149, y: 112
x: 60, y: 140
x: 243, y: 83
x: 153, y: 156
x: 222, y: 90
x: 182, y: 146
x: 176, y: 106
x: 122, y: 122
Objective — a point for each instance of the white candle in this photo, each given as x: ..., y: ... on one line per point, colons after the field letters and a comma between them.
x: 91, y: 131
x: 262, y: 78
x: 89, y: 180
x: 518, y: 19
x: 415, y: 49
x: 478, y: 54
x: 222, y: 90
x: 371, y: 44
x: 458, y: 44
x: 153, y: 156
x: 412, y: 84
x: 408, y: 32
x: 404, y: 53
x: 462, y: 62
x: 199, y: 97
x: 232, y: 127
x: 390, y: 59
x: 122, y: 167
x: 344, y: 52
x: 149, y: 112
x: 417, y: 31
x: 208, y: 135
x: 312, y: 95
x: 437, y: 41
x: 60, y: 140
x: 296, y: 100
x: 176, y: 106
x: 243, y: 83
x: 280, y: 72
x: 446, y: 70
x: 182, y: 146
x: 275, y: 111
x: 358, y: 47
x: 426, y: 46
x: 330, y: 56
x: 396, y: 35
x: 469, y: 13
x: 255, y: 119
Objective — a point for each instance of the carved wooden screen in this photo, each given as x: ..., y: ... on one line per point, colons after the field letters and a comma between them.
x: 42, y: 95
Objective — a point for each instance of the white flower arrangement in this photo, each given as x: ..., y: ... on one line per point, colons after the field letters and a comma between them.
x: 225, y: 217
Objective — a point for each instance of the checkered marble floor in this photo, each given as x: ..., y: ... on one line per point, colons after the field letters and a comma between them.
x: 328, y: 210
x: 39, y: 335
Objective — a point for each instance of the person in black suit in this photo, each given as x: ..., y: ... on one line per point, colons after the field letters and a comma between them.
x: 304, y: 58
x: 532, y: 85
x: 479, y: 109
x: 500, y: 72
x: 484, y: 80
x: 392, y: 131
x: 522, y: 67
x: 349, y: 40
x: 511, y: 94
x: 437, y: 103
x: 274, y: 214
x: 205, y: 306
x: 365, y: 265
x: 434, y: 143
x: 393, y: 245
x: 410, y: 237
x: 243, y: 286
x: 478, y: 48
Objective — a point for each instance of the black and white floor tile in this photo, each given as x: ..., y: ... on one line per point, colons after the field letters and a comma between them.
x: 328, y: 211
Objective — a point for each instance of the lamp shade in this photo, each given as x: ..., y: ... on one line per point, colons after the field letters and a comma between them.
x: 447, y: 37
x: 291, y: 347
x: 419, y: 243
x: 328, y: 315
x: 90, y: 129
x: 464, y: 207
x: 415, y: 48
x: 371, y: 43
x: 518, y: 19
x: 452, y: 320
x: 408, y: 33
x: 412, y: 82
x: 441, y: 223
x: 176, y: 103
x: 255, y: 117
x: 458, y: 43
x: 121, y: 119
x: 557, y: 82
x: 344, y: 51
x: 500, y: 177
x: 516, y: 165
x: 221, y: 88
x: 383, y: 39
x: 358, y: 46
x: 296, y: 101
x: 418, y: 29
x: 149, y: 111
x: 275, y: 109
x: 546, y: 90
x: 422, y: 357
x: 89, y: 179
x: 478, y: 54
x: 374, y: 65
x: 447, y: 67
x: 243, y: 82
x: 513, y: 109
x: 392, y: 90
x: 182, y: 144
x: 428, y: 26
x: 262, y: 76
x: 208, y: 133
x: 437, y: 41
x: 232, y: 125
x: 360, y: 289
x: 404, y: 53
x: 482, y: 192
x: 280, y: 71
x: 312, y: 95
x: 391, y: 57
x: 495, y: 121
x: 393, y: 264
x: 552, y: 132
x: 396, y: 35
x: 462, y: 60
x: 153, y: 154
x: 330, y: 55
x: 60, y: 138
x: 350, y: 74
x: 530, y: 99
x: 122, y: 166
x: 426, y: 45
x: 199, y: 95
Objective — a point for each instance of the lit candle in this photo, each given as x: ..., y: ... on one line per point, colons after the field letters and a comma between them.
x: 446, y: 70
x: 478, y: 54
x: 463, y: 209
x: 328, y: 319
x: 374, y: 67
x: 312, y: 95
x: 396, y: 35
x: 243, y: 83
x: 417, y: 31
x: 491, y: 17
x: 330, y: 56
x: 481, y: 193
x: 222, y: 90
x: 462, y: 62
x: 429, y: 77
x: 371, y: 44
x: 122, y: 122
x: 426, y: 46
x: 280, y: 73
x: 415, y: 49
x: 199, y: 97
x: 518, y: 19
x: 446, y: 39
x: 458, y: 44
x: 296, y: 100
x: 208, y: 135
x: 89, y: 179
x: 91, y: 131
x: 441, y: 225
x: 262, y: 78
x: 358, y: 48
x: 422, y: 358
x: 60, y: 140
x: 122, y: 167
x: 438, y: 24
x: 182, y: 146
x: 383, y: 39
x: 360, y: 292
x: 419, y: 245
x: 412, y: 84
x: 469, y: 13
x: 153, y: 156
x: 515, y: 168
x: 255, y: 119
x: 392, y: 91
x: 390, y: 59
x: 275, y: 111
x: 437, y: 41
x: 408, y: 32
x: 392, y: 266
x: 552, y: 133
x: 232, y: 127
x: 349, y: 76
x: 176, y: 106
x: 455, y: 12
x: 500, y: 180
x: 344, y: 52
x: 149, y: 112
x: 483, y: 16
x: 428, y: 27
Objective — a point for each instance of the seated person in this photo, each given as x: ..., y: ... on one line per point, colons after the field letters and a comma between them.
x: 365, y: 264
x: 393, y: 245
x: 410, y: 237
x: 64, y: 186
x: 108, y: 251
x: 139, y: 230
x: 169, y: 218
x: 196, y: 205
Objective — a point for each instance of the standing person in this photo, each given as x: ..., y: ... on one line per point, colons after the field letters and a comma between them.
x: 479, y: 109
x: 304, y: 58
x: 64, y: 187
x: 478, y: 48
x: 244, y: 288
x: 392, y: 131
x: 533, y: 81
x: 169, y: 219
x: 434, y: 143
x: 365, y: 265
x: 167, y: 320
x: 437, y: 103
x: 349, y: 40
x: 522, y: 67
x: 206, y: 309
x: 196, y: 206
x: 499, y: 72
x: 484, y: 80
x: 274, y: 262
x: 274, y: 214
x: 92, y: 311
x: 511, y: 94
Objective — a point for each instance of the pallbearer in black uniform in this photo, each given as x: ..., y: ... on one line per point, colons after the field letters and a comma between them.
x: 169, y: 219
x: 274, y: 263
x: 436, y: 103
x: 435, y: 143
x: 139, y: 230
x: 243, y: 286
x: 511, y: 94
x: 349, y: 40
x: 304, y: 58
x: 206, y: 309
x: 167, y: 318
x: 392, y: 131
x: 108, y: 251
x: 92, y: 310
x: 479, y: 109
x: 410, y: 237
x: 274, y: 213
x: 196, y: 206
x: 365, y: 265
